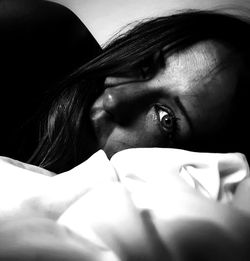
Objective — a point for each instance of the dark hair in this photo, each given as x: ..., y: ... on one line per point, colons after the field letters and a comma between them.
x: 62, y: 143
x: 41, y: 42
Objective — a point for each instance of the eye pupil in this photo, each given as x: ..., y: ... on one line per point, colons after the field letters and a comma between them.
x: 167, y: 122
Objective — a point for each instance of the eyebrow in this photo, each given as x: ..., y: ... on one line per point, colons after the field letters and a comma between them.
x: 184, y: 112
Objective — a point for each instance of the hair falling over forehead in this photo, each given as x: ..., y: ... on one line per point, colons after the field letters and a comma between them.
x: 64, y: 141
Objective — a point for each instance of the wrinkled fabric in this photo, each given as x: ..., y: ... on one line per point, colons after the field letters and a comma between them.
x: 154, y: 185
x: 106, y: 201
x: 214, y: 175
x: 24, y: 187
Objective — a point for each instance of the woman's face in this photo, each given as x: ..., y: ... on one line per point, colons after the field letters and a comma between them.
x: 187, y: 100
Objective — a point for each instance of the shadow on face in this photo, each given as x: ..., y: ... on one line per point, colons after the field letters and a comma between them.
x: 185, y: 105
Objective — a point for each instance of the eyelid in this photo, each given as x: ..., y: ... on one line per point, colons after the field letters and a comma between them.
x: 185, y: 114
x: 164, y: 108
x: 115, y: 81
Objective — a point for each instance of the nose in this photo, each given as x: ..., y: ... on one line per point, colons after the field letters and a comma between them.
x: 125, y: 100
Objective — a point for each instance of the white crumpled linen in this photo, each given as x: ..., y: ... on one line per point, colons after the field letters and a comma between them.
x: 150, y: 179
x: 102, y: 195
x: 214, y: 175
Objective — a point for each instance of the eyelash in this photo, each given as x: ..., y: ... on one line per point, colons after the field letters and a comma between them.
x: 161, y: 112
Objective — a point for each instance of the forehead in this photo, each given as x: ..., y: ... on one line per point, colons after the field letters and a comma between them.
x: 204, y: 77
x: 200, y: 62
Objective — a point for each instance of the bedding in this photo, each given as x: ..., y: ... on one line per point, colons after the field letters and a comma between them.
x: 115, y: 203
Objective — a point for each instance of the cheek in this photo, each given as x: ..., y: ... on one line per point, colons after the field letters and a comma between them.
x: 143, y: 132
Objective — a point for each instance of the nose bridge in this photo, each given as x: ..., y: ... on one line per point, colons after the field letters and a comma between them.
x: 121, y: 100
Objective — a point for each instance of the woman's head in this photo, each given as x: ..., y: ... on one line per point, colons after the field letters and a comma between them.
x: 169, y: 82
x: 185, y: 103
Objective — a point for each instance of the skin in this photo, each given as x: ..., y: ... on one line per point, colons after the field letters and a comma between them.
x: 125, y: 115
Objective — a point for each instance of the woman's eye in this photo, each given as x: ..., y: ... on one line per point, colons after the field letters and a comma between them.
x: 167, y: 119
x: 145, y: 72
x: 151, y: 65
